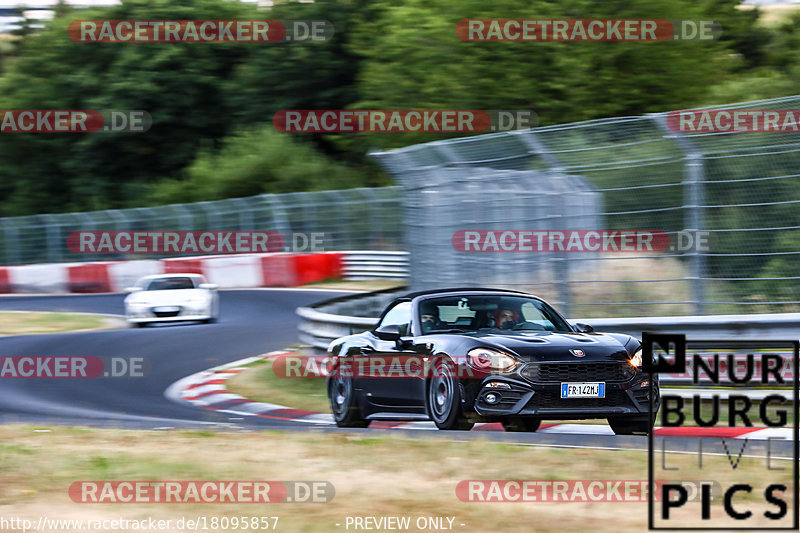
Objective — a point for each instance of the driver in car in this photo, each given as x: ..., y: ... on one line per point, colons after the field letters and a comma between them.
x: 505, y: 318
x: 429, y: 320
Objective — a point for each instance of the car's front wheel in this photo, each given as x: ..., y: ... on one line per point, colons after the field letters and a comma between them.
x: 631, y: 426
x: 343, y: 403
x: 521, y: 424
x: 443, y: 399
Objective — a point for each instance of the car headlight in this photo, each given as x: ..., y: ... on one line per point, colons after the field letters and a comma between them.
x: 487, y: 360
x: 636, y: 360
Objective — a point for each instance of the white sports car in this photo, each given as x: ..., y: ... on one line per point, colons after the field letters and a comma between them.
x: 171, y: 298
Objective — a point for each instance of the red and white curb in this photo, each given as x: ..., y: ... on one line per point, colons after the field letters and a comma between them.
x: 207, y: 390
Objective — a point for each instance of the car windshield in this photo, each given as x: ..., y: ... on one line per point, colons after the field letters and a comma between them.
x: 167, y: 284
x: 489, y: 313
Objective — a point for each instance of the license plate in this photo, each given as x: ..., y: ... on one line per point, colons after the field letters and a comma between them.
x: 583, y: 390
x: 172, y: 309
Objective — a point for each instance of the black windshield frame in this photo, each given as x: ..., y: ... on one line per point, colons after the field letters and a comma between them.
x: 475, y: 303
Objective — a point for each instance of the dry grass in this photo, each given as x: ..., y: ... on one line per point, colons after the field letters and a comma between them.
x: 27, y: 323
x: 374, y: 475
x: 617, y: 271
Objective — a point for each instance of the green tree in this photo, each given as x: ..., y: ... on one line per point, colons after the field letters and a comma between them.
x: 420, y: 63
x: 196, y: 94
x: 254, y: 161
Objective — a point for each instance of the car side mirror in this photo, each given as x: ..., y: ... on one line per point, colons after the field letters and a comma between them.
x: 209, y: 286
x: 132, y: 289
x: 584, y: 328
x: 389, y: 332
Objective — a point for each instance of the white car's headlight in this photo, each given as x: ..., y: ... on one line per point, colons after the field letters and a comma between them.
x: 636, y: 360
x: 488, y: 360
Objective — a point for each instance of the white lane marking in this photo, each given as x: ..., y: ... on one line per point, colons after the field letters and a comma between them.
x: 579, y: 429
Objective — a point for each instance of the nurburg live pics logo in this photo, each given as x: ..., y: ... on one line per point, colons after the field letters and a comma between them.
x: 754, y: 499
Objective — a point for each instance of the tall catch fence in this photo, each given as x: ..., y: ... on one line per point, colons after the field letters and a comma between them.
x: 727, y: 201
x: 735, y: 193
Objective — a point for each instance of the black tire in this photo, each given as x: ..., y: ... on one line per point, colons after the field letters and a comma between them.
x: 343, y: 403
x: 630, y: 426
x: 518, y: 423
x: 210, y: 320
x: 443, y: 399
x: 139, y: 324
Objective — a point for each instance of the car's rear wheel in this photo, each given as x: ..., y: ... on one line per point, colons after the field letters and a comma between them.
x: 518, y: 423
x: 631, y: 426
x: 443, y: 399
x: 343, y: 403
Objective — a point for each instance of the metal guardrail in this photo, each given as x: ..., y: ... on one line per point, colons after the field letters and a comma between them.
x: 326, y: 321
x: 367, y: 265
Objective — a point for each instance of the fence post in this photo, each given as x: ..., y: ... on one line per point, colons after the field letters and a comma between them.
x: 52, y: 238
x: 11, y: 241
x: 694, y: 200
x: 556, y: 169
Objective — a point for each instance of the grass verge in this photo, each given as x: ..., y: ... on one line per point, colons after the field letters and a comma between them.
x: 373, y: 475
x: 30, y: 322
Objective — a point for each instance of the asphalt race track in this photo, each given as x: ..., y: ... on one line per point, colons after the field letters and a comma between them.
x: 251, y: 322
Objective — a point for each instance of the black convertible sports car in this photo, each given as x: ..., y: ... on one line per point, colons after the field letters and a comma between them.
x: 460, y: 356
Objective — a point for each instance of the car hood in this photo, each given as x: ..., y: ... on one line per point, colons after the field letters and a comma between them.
x: 166, y: 297
x: 557, y: 346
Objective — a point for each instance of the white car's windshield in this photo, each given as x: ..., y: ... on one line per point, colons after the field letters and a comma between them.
x: 165, y: 284
x: 489, y: 312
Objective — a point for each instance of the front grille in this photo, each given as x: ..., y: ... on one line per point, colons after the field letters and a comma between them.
x: 577, y: 372
x: 553, y: 399
x: 166, y: 314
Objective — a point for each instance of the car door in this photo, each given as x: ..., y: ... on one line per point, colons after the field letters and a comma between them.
x: 391, y: 387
